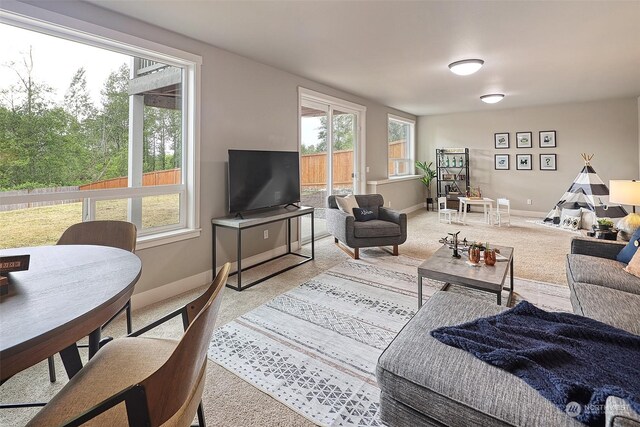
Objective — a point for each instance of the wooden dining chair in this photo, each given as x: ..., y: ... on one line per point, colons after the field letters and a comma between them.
x: 117, y: 234
x: 139, y: 381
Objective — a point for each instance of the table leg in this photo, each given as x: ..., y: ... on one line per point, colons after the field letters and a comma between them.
x: 419, y: 291
x: 288, y: 235
x: 464, y: 213
x: 239, y: 263
x: 94, y: 342
x: 499, y: 295
x: 71, y: 360
x: 213, y: 249
x: 313, y: 237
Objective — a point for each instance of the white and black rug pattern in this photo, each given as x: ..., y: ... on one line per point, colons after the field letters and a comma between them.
x: 315, y: 348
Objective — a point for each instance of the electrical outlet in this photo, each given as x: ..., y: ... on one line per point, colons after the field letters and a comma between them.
x: 266, y: 234
x: 528, y: 201
x: 367, y: 169
x: 388, y: 203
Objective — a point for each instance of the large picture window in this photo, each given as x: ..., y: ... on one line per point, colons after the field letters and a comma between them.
x: 401, y: 146
x: 89, y: 130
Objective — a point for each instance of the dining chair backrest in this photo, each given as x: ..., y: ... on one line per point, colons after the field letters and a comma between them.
x: 442, y: 203
x: 117, y: 234
x: 504, y: 202
x: 168, y: 388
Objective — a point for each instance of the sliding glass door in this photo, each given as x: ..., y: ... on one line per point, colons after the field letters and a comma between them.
x: 330, y: 150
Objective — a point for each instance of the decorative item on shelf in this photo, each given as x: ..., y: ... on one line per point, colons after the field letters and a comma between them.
x: 547, y: 139
x: 626, y: 192
x: 455, y: 162
x: 461, y: 163
x: 9, y: 264
x: 447, y: 162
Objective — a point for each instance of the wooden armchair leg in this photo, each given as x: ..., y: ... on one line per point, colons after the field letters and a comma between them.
x: 355, y: 254
x: 395, y: 250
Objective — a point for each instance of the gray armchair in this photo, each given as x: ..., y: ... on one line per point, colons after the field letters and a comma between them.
x: 390, y: 229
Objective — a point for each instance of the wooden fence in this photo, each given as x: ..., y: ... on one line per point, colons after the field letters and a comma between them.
x: 165, y: 177
x: 313, y: 167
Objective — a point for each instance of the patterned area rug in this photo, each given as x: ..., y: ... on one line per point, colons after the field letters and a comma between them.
x: 315, y: 348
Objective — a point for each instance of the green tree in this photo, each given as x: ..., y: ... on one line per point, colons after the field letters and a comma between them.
x: 77, y: 100
x: 397, y: 131
x: 343, y: 133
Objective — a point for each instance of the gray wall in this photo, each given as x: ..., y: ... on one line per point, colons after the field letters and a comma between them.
x: 245, y: 105
x: 608, y: 129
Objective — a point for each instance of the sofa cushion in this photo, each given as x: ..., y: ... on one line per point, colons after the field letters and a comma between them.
x: 376, y: 228
x: 364, y: 214
x: 604, y: 272
x: 347, y: 203
x: 450, y: 385
x: 634, y: 265
x: 629, y: 251
x: 616, y: 308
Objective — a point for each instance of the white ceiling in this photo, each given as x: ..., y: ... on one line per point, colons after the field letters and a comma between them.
x: 396, y: 52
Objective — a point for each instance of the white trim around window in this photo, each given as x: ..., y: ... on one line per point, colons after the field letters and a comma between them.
x: 409, y: 160
x: 36, y: 19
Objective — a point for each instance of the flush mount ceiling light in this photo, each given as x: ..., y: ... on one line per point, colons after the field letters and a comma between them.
x: 492, y: 98
x: 466, y: 67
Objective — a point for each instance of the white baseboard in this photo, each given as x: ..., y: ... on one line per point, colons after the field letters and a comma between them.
x: 181, y: 286
x: 169, y: 290
x: 519, y: 212
x: 414, y: 208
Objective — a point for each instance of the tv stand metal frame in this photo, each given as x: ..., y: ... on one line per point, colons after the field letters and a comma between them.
x: 257, y: 220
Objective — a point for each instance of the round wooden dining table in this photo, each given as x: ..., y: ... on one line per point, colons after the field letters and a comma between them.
x: 68, y: 293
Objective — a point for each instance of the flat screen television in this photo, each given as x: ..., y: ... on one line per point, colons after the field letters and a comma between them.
x: 263, y: 179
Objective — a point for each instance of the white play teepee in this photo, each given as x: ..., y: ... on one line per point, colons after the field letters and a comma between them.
x: 588, y: 192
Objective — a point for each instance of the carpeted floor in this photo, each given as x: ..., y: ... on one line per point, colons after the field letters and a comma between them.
x: 229, y: 400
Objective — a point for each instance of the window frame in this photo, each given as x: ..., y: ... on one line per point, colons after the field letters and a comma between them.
x: 50, y: 23
x: 411, y: 145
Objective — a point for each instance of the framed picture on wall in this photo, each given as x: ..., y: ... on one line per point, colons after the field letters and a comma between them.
x: 501, y: 140
x: 547, y: 138
x: 524, y: 162
x: 523, y: 139
x: 548, y: 162
x: 502, y: 162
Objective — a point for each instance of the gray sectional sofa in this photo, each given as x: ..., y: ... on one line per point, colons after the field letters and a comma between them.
x: 600, y: 288
x: 426, y: 383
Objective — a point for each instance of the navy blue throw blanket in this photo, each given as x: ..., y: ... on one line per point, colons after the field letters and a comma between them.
x: 565, y: 357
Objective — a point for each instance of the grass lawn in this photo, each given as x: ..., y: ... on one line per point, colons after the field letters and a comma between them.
x: 44, y: 225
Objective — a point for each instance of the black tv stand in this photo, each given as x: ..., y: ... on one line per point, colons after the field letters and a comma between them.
x: 259, y: 219
x: 239, y: 215
x: 291, y: 204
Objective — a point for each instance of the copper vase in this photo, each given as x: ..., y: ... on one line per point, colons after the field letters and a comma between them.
x: 490, y: 256
x: 474, y: 255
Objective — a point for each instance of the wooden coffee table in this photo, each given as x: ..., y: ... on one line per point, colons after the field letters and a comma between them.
x: 444, y: 268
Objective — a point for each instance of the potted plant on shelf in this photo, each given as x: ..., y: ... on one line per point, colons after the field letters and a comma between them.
x: 427, y: 178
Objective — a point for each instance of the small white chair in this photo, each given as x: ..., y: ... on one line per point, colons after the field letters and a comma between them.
x: 500, y: 215
x: 444, y: 212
